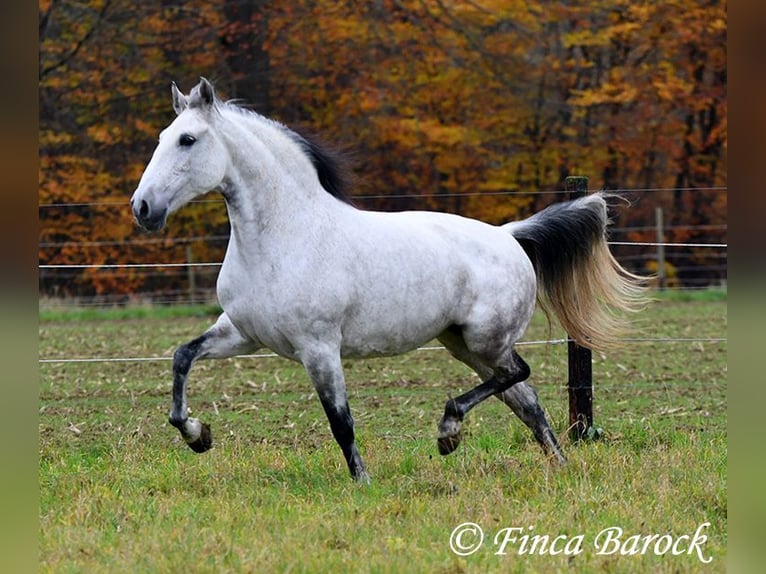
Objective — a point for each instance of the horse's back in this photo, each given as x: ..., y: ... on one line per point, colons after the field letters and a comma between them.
x: 414, y: 274
x: 452, y: 243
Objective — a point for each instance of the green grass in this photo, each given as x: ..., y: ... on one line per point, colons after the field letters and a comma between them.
x: 120, y: 492
x: 709, y: 294
x: 52, y: 311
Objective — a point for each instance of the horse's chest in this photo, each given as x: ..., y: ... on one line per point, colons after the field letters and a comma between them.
x: 262, y: 307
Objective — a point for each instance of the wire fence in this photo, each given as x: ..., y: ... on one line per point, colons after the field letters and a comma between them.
x: 202, y: 275
x: 218, y: 264
x: 266, y: 355
x: 123, y: 203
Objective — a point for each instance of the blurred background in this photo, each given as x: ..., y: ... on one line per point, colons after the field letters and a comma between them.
x: 481, y: 108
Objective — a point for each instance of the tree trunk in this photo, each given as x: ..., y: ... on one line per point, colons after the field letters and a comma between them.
x: 242, y: 41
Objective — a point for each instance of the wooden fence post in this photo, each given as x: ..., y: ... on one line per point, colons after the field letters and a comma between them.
x: 190, y: 274
x: 658, y: 216
x: 580, y: 383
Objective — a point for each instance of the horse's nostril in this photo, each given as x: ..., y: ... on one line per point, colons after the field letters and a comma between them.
x: 144, y: 210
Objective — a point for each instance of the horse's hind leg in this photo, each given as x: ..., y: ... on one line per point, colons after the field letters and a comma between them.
x: 510, y: 370
x: 518, y: 395
x: 218, y: 342
x: 456, y: 409
x: 522, y: 399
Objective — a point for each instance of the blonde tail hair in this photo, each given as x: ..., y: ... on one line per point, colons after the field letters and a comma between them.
x: 578, y: 279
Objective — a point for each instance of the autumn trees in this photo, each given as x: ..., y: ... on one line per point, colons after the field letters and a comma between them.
x: 457, y: 106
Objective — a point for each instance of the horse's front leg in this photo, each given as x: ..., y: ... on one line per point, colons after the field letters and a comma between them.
x: 220, y: 341
x: 326, y: 373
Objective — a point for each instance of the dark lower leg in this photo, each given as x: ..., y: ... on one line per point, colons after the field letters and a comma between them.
x: 324, y: 367
x: 342, y: 426
x: 221, y: 340
x: 523, y: 400
x: 455, y: 410
x: 196, y: 434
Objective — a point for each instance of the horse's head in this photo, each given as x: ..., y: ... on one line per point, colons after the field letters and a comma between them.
x: 189, y: 160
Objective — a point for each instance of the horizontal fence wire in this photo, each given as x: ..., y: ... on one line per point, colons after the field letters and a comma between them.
x: 124, y: 203
x: 208, y: 239
x: 127, y: 265
x: 208, y: 296
x: 214, y: 264
x: 713, y: 340
x: 658, y: 244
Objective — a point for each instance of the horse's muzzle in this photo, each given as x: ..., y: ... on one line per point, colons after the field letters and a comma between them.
x: 147, y: 216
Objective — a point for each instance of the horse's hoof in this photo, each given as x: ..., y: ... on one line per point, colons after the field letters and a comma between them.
x: 448, y: 444
x: 559, y: 459
x: 362, y: 477
x: 449, y: 434
x: 204, y: 442
x: 552, y: 449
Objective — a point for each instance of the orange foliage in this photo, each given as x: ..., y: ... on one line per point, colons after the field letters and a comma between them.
x: 434, y: 97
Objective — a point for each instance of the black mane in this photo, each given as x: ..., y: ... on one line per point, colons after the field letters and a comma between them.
x: 328, y: 164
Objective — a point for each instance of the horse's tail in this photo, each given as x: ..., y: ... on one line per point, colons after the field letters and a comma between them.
x: 578, y: 278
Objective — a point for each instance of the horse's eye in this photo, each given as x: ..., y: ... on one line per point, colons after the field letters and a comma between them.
x: 186, y: 140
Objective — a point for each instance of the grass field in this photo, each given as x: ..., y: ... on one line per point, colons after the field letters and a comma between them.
x: 120, y: 492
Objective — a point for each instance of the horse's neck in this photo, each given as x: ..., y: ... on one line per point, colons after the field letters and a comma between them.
x: 271, y: 191
x: 271, y: 184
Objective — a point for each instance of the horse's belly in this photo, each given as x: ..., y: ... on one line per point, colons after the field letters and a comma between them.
x: 373, y: 334
x: 394, y: 318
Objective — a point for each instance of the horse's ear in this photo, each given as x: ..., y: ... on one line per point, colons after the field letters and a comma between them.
x: 179, y: 100
x: 206, y: 92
